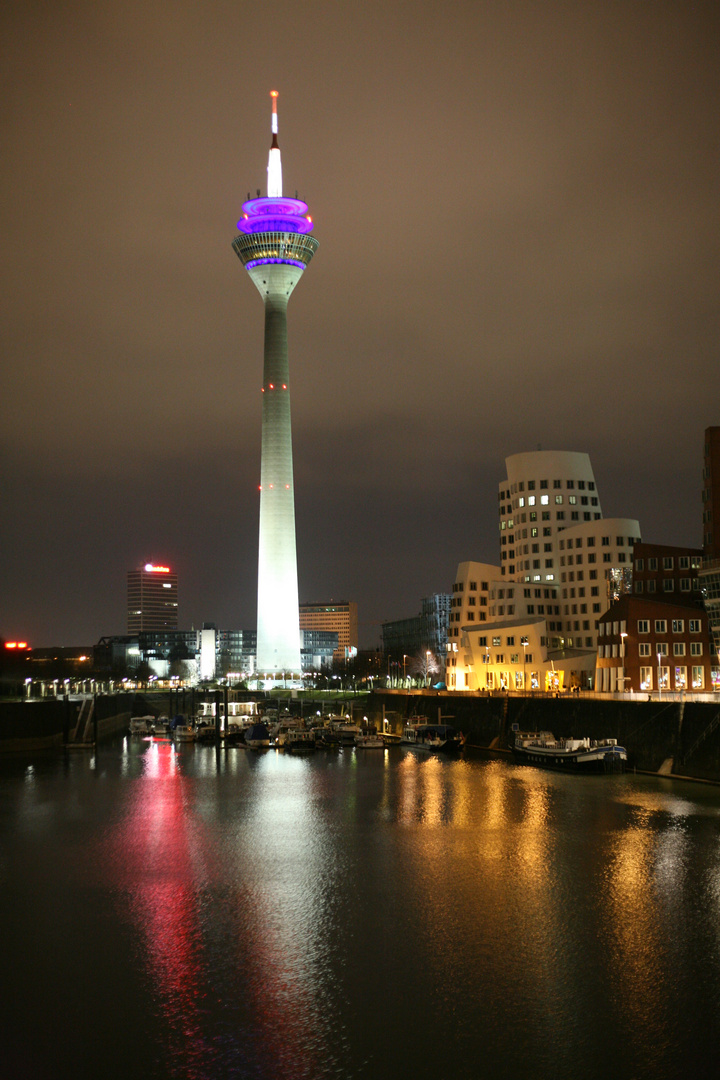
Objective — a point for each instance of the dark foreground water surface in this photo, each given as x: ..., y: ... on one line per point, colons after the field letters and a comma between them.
x: 170, y: 913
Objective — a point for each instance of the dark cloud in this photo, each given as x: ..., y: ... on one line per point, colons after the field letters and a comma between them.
x: 518, y: 217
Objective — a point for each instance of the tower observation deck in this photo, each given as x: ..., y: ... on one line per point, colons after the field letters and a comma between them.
x: 275, y: 245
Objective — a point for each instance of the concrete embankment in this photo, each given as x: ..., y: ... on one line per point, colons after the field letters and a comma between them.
x: 672, y: 737
x: 34, y: 726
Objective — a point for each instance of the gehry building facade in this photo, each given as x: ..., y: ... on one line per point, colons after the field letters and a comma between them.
x: 531, y: 622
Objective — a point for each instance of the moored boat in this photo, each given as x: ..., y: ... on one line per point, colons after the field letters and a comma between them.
x: 141, y: 725
x: 300, y: 739
x: 347, y: 732
x: 389, y: 738
x: 369, y: 741
x: 283, y: 732
x: 325, y: 737
x: 257, y: 737
x: 184, y: 733
x: 433, y: 737
x: 569, y: 755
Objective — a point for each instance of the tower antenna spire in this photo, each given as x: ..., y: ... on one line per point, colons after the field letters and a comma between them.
x: 274, y: 170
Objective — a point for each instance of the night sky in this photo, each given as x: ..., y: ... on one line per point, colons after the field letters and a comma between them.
x: 517, y: 210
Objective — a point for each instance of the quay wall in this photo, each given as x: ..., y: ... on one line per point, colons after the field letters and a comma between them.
x: 652, y: 731
x: 37, y: 725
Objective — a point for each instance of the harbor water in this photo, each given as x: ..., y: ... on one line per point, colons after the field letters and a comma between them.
x: 185, y: 912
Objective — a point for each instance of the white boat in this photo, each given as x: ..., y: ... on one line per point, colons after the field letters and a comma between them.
x: 141, y: 725
x: 184, y: 733
x: 570, y: 755
x: 286, y: 731
x: 369, y: 741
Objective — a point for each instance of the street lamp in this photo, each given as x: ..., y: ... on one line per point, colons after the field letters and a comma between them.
x: 404, y: 679
x: 524, y: 643
x: 428, y: 654
x: 659, y: 682
x: 622, y: 657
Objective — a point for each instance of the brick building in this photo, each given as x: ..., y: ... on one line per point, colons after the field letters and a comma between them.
x: 649, y: 644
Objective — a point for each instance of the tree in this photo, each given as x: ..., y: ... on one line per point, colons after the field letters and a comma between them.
x: 423, y: 665
x: 143, y: 672
x: 181, y: 669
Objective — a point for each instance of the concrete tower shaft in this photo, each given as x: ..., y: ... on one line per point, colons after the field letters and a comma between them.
x: 274, y: 246
x: 278, y: 622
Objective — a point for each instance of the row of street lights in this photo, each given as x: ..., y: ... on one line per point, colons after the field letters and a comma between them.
x: 405, y: 657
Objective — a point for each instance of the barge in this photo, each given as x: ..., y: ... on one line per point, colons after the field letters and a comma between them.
x: 541, y: 748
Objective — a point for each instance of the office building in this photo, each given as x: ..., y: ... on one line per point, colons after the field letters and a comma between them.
x: 275, y: 247
x: 152, y: 599
x: 711, y: 494
x: 406, y: 642
x: 709, y: 575
x: 340, y: 618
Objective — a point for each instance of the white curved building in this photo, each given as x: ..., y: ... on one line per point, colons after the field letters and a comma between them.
x: 561, y: 566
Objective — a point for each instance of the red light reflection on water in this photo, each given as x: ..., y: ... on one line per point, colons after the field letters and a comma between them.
x: 161, y: 859
x: 265, y: 977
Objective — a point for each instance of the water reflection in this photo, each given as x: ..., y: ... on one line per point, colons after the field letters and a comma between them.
x: 264, y: 932
x: 288, y: 868
x: 359, y: 915
x: 160, y: 857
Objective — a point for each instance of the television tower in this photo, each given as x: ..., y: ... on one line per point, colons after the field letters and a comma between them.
x: 275, y: 246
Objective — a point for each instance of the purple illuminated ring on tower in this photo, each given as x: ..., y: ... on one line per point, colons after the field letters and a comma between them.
x: 275, y: 215
x: 266, y: 262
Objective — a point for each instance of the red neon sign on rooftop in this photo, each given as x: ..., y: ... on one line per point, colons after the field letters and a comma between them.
x: 156, y: 569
